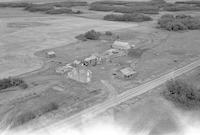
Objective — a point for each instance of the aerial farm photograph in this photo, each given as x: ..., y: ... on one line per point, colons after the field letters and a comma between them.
x: 99, y: 67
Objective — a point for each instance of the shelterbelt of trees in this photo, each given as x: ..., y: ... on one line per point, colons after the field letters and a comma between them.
x: 178, y: 22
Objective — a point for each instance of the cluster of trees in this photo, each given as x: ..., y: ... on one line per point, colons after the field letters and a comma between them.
x: 90, y: 35
x: 128, y: 17
x: 24, y: 118
x: 12, y: 82
x: 182, y: 93
x: 150, y: 7
x: 179, y: 22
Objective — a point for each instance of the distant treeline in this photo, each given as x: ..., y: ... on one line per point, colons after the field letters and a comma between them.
x: 146, y: 7
x: 149, y: 7
x: 49, y: 8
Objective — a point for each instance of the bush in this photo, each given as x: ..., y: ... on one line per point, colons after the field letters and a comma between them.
x: 179, y: 22
x: 11, y: 82
x: 128, y: 17
x: 182, y: 93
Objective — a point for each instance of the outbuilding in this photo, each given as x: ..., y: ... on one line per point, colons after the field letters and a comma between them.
x: 51, y: 54
x: 121, y: 45
x: 125, y: 73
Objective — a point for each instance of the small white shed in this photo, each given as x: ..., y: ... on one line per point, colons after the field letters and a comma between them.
x: 51, y: 54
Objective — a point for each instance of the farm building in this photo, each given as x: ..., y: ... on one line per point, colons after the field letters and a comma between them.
x: 64, y: 69
x: 93, y: 60
x: 125, y: 73
x: 121, y: 45
x: 82, y: 75
x: 51, y: 54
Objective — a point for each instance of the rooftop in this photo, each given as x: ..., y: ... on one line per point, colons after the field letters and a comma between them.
x: 127, y: 71
x: 92, y: 57
x: 51, y: 53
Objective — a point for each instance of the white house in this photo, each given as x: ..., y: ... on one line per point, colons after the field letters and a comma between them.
x: 121, y: 45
